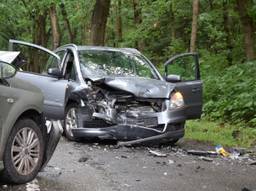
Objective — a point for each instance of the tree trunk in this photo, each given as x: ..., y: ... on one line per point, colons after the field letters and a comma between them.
x: 194, y: 26
x: 66, y: 22
x: 119, y: 21
x: 40, y: 37
x: 247, y: 26
x: 55, y: 27
x: 99, y: 22
x: 138, y: 20
x: 172, y: 23
x: 40, y: 30
x: 226, y: 24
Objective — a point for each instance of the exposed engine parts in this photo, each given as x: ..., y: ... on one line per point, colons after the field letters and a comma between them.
x: 119, y: 107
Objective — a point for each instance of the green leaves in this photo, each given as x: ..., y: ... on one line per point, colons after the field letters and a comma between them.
x: 231, y: 94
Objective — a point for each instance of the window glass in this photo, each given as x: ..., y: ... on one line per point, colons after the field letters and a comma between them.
x: 117, y: 63
x: 53, y: 62
x: 70, y: 67
x: 184, y: 67
x: 31, y: 59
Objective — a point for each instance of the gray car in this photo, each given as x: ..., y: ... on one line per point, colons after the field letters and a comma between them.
x: 26, y: 143
x: 117, y: 93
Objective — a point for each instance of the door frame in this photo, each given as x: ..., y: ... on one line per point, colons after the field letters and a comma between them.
x: 196, y: 59
x: 12, y: 41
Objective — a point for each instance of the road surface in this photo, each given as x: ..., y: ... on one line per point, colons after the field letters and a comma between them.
x: 103, y: 167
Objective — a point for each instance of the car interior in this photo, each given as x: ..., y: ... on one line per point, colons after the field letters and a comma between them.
x: 70, y: 73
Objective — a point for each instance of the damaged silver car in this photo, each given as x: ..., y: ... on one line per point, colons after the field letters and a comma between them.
x: 117, y: 93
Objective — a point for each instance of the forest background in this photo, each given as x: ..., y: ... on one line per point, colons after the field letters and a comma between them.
x: 222, y: 31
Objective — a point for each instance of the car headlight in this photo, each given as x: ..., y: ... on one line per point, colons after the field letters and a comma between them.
x: 176, y: 100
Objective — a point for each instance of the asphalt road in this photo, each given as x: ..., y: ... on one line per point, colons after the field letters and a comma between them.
x: 102, y: 167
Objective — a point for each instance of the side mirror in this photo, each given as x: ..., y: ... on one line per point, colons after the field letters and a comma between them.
x: 173, y: 78
x: 55, y: 72
x: 6, y: 70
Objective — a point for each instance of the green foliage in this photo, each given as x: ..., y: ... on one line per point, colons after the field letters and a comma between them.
x: 230, y: 95
x: 220, y: 133
x: 165, y: 29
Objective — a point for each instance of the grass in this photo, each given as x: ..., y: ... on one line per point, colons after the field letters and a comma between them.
x: 220, y: 133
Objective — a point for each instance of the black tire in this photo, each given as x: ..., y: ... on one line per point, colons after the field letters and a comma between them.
x: 67, y: 133
x: 173, y: 142
x: 10, y: 173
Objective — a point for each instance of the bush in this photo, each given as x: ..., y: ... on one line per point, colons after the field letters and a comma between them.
x: 230, y: 95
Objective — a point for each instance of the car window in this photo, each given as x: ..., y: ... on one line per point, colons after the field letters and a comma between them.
x: 184, y: 67
x: 69, y: 67
x: 31, y: 59
x: 53, y: 62
x: 106, y: 62
x: 142, y: 68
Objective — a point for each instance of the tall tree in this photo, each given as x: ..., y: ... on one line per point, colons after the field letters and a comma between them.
x: 66, y: 22
x: 226, y: 24
x: 119, y: 21
x: 99, y: 22
x: 138, y: 20
x: 172, y: 14
x: 194, y: 25
x: 39, y: 34
x: 54, y: 26
x: 247, y: 26
x: 40, y: 37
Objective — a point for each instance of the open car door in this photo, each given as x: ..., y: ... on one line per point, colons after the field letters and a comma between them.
x: 184, y: 71
x: 34, y: 62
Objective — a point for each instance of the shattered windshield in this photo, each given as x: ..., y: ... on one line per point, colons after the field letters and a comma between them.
x: 114, y: 63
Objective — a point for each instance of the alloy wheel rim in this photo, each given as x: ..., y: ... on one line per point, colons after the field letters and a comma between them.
x: 71, y: 121
x: 25, y: 151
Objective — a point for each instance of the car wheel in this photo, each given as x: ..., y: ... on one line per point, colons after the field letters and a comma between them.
x: 24, y: 151
x: 173, y: 142
x: 70, y: 121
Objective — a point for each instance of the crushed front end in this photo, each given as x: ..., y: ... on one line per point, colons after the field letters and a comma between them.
x: 108, y: 113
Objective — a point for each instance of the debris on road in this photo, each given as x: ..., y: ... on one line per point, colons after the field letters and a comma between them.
x: 234, y: 155
x: 83, y: 159
x: 242, y: 151
x: 207, y: 159
x: 157, y: 153
x: 127, y: 185
x: 221, y: 151
x: 33, y: 186
x: 253, y: 163
x: 124, y: 157
x: 245, y: 189
x: 202, y: 153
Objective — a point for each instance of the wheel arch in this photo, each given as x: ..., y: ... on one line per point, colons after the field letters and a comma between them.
x: 71, y: 101
x: 32, y: 113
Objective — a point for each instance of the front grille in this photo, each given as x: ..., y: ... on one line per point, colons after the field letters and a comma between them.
x: 144, y: 121
x: 152, y: 121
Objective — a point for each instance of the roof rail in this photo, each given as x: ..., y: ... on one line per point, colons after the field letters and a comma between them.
x: 73, y: 45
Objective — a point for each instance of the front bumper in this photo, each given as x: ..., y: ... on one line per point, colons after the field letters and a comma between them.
x: 128, y: 133
x: 169, y: 125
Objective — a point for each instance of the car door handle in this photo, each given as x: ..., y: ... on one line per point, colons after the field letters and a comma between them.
x: 194, y: 90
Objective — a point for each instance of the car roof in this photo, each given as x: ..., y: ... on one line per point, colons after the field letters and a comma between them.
x: 100, y: 48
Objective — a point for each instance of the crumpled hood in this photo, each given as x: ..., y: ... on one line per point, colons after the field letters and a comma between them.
x: 141, y: 87
x: 8, y: 56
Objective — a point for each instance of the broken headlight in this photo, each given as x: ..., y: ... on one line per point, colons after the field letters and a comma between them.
x: 176, y: 100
